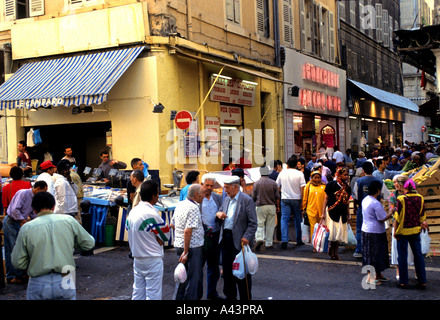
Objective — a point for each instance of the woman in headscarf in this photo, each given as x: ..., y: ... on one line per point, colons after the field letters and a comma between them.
x: 337, y: 200
x: 409, y: 219
x: 313, y: 200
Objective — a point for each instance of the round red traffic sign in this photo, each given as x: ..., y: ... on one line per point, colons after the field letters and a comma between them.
x: 183, y: 119
x: 423, y: 128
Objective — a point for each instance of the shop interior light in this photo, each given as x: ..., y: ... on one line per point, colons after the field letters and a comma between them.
x: 220, y: 76
x: 351, y: 117
x: 250, y: 82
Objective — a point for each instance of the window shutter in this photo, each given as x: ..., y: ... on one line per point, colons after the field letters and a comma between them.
x: 10, y: 10
x: 379, y: 30
x: 341, y: 9
x: 315, y: 38
x: 385, y: 28
x: 36, y: 8
x: 361, y: 16
x: 390, y: 25
x: 237, y: 11
x: 302, y: 23
x: 331, y: 23
x: 229, y: 10
x: 321, y: 32
x: 353, y: 13
x: 260, y: 16
x: 287, y: 23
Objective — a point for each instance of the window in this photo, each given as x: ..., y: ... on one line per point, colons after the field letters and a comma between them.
x: 233, y: 11
x: 317, y: 30
x: 83, y: 3
x: 353, y: 13
x: 21, y: 9
x: 385, y: 28
x: 263, y: 21
x: 288, y: 23
x: 361, y: 16
x: 379, y: 26
x: 341, y: 8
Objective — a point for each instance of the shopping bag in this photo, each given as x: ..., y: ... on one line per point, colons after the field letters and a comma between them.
x: 425, y: 240
x: 320, y: 238
x: 180, y: 273
x: 251, y: 260
x: 305, y: 232
x: 351, y: 238
x: 238, y: 268
x: 37, y: 137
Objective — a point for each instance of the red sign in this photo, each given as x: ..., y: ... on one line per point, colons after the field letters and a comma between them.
x: 183, y: 119
x: 320, y: 75
x: 423, y: 128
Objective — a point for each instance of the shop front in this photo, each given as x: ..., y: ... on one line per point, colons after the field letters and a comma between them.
x: 315, y: 106
x: 377, y: 118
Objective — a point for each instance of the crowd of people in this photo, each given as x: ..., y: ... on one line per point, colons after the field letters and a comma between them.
x: 211, y: 227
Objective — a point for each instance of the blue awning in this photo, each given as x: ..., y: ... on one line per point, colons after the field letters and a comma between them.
x: 77, y: 80
x: 387, y: 97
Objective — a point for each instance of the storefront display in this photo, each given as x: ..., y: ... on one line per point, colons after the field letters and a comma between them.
x: 315, y: 106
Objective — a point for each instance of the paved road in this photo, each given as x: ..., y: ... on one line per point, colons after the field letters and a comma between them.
x: 292, y: 274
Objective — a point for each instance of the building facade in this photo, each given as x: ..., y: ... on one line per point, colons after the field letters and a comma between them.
x: 376, y: 104
x: 314, y: 95
x: 210, y: 58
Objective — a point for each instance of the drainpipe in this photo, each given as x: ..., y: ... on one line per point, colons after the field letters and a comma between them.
x: 189, y: 20
x: 276, y: 33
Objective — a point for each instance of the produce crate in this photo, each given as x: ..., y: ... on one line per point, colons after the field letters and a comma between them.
x: 432, y: 208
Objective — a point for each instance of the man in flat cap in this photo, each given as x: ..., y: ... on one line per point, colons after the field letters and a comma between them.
x: 238, y: 224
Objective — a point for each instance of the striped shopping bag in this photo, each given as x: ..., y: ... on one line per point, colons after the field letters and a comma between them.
x: 320, y: 238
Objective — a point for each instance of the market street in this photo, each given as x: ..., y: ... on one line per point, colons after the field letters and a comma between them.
x: 292, y: 274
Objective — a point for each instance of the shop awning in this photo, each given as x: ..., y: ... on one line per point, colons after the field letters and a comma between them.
x: 76, y: 80
x: 386, y: 97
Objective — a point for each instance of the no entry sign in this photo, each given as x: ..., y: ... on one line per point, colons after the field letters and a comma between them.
x: 183, y: 119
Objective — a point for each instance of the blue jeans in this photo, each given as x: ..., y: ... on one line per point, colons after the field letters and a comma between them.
x: 11, y: 228
x: 359, y: 220
x: 49, y: 287
x: 287, y: 207
x: 402, y: 259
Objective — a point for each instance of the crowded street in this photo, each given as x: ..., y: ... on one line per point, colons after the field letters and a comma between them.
x: 227, y: 157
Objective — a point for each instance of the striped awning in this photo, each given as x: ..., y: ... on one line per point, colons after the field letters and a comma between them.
x: 77, y: 80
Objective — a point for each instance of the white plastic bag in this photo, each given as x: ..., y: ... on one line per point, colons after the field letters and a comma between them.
x: 180, y: 273
x: 425, y: 240
x: 351, y: 238
x: 251, y: 260
x: 238, y: 266
x: 305, y: 233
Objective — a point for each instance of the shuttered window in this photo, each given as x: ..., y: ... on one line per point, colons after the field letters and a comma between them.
x: 262, y: 18
x: 379, y: 26
x: 385, y: 28
x: 288, y: 23
x: 233, y: 11
x: 20, y: 9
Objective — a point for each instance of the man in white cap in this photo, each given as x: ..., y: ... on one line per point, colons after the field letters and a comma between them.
x: 238, y: 224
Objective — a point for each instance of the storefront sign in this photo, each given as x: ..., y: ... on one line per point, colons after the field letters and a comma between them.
x: 230, y: 115
x: 212, y: 135
x: 35, y: 103
x: 233, y: 91
x: 320, y: 76
x: 319, y: 100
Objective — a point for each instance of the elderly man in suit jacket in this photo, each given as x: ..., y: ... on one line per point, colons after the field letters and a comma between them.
x: 238, y: 224
x: 210, y: 205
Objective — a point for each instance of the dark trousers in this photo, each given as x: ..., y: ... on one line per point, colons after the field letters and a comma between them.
x: 212, y: 258
x: 231, y: 283
x: 419, y: 260
x: 192, y: 288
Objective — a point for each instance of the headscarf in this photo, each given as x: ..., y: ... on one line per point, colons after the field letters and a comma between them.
x: 311, y: 178
x: 342, y: 195
x: 410, y: 185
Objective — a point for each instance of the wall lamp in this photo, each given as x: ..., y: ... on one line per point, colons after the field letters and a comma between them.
x: 86, y: 109
x: 293, y: 91
x: 158, y: 108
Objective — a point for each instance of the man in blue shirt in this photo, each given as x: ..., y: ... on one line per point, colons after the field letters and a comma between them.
x: 395, y: 165
x: 191, y: 177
